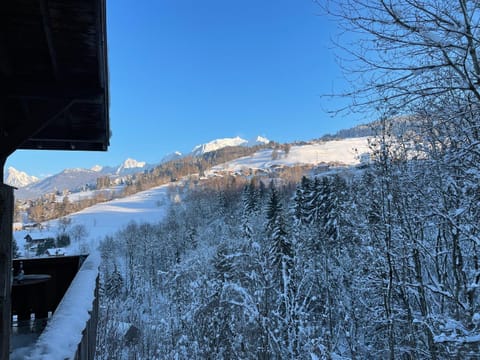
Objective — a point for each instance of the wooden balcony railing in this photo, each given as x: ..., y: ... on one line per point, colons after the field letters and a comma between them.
x: 69, y: 298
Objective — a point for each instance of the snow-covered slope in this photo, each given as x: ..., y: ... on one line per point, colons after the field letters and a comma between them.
x: 346, y: 152
x: 226, y: 142
x: 18, y: 178
x: 106, y: 218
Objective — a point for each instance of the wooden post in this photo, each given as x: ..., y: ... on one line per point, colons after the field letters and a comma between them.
x: 6, y: 220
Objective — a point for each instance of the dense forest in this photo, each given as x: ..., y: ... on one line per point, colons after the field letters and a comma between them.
x: 379, y: 262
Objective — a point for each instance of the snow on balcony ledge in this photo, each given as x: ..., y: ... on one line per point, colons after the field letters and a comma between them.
x: 63, y: 334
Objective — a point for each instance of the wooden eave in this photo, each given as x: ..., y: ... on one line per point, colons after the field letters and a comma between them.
x: 53, y: 75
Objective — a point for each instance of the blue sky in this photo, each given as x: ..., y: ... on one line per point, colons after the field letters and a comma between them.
x: 187, y: 72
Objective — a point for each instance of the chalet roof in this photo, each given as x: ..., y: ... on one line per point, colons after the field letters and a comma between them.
x: 53, y: 75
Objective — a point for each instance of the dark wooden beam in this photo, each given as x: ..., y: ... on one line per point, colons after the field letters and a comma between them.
x: 6, y: 219
x: 35, y: 122
x: 5, y: 68
x: 5, y: 65
x: 102, y: 54
x: 101, y: 42
x: 47, y: 29
x: 54, y: 92
x: 2, y: 168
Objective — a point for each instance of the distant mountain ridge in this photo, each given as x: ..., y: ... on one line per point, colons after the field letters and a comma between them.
x: 218, y: 144
x: 78, y: 178
x: 68, y: 179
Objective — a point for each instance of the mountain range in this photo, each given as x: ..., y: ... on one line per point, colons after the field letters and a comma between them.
x: 349, y: 151
x: 79, y: 178
x: 72, y: 179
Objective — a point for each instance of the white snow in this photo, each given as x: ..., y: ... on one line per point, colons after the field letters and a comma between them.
x: 107, y: 218
x: 225, y: 142
x: 18, y: 178
x: 218, y: 144
x: 70, y: 317
x: 131, y: 164
x: 346, y: 152
x: 259, y: 140
x: 476, y: 319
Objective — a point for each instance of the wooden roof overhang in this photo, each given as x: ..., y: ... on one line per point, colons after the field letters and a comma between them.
x: 53, y: 75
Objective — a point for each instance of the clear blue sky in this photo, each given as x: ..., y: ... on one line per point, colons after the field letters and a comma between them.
x: 187, y: 72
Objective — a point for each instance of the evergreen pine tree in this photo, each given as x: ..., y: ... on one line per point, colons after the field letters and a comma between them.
x: 114, y: 284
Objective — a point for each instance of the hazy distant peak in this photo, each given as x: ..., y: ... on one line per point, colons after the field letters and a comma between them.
x: 172, y: 156
x: 18, y: 178
x: 75, y: 170
x: 132, y: 163
x: 97, y: 168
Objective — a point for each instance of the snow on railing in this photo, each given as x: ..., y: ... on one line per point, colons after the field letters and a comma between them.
x: 70, y: 328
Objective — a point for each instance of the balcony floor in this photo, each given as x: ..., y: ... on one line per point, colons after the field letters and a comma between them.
x: 24, y: 335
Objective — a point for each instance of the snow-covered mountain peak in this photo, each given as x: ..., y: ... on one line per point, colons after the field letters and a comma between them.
x: 132, y: 163
x: 97, y: 168
x: 18, y: 178
x: 259, y: 140
x: 225, y: 142
x: 217, y: 145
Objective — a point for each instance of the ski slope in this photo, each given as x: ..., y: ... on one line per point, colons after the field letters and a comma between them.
x: 345, y: 151
x: 105, y: 218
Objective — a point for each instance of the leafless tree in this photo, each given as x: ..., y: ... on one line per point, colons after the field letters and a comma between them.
x: 405, y: 51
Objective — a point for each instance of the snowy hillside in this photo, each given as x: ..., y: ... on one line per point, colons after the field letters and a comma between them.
x: 106, y: 218
x: 346, y: 152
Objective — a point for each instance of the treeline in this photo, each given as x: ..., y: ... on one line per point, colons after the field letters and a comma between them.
x: 381, y: 262
x: 47, y: 207
x: 188, y: 165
